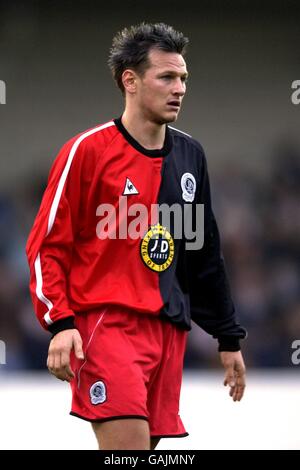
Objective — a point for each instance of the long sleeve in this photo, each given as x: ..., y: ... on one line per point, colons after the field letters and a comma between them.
x: 49, y: 246
x: 212, y: 307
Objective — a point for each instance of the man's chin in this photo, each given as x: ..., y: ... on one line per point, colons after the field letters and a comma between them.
x: 169, y: 117
x: 173, y: 119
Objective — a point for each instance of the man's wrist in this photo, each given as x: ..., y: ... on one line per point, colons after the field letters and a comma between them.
x: 61, y: 325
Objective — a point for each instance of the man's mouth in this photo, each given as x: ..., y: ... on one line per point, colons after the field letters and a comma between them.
x: 174, y: 103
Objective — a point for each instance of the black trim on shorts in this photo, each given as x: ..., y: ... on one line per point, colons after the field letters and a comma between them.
x: 170, y: 435
x: 111, y: 418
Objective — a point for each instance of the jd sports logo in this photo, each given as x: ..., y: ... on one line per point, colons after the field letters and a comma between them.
x: 129, y: 188
x: 157, y: 248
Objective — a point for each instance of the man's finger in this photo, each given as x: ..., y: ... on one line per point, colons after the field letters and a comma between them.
x: 57, y: 369
x: 78, y: 348
x: 50, y: 361
x: 240, y: 393
x: 65, y: 364
x: 230, y: 377
x: 241, y: 384
x: 56, y: 362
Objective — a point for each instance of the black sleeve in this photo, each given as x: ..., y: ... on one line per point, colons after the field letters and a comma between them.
x: 212, y: 307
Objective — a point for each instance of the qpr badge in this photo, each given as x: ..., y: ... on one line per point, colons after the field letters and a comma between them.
x: 188, y: 186
x: 98, y: 393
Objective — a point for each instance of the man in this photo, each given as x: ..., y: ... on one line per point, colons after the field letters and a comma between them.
x: 118, y: 305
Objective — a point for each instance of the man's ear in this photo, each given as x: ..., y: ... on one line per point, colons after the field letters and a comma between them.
x: 129, y: 79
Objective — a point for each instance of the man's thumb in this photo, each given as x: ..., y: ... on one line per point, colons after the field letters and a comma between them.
x: 78, y: 348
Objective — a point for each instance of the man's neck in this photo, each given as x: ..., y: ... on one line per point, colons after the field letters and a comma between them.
x: 148, y: 134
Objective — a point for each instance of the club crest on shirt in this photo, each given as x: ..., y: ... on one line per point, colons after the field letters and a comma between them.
x: 98, y: 393
x: 188, y: 186
x: 157, y: 248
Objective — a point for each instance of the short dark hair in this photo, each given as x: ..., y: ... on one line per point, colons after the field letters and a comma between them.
x: 131, y: 46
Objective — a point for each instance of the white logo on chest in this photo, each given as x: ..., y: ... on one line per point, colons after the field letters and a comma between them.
x: 188, y: 186
x: 129, y: 188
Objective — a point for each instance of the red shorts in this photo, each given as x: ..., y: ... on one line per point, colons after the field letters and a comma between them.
x: 132, y: 369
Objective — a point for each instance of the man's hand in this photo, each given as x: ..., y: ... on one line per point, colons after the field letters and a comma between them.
x: 234, y: 373
x: 61, y: 345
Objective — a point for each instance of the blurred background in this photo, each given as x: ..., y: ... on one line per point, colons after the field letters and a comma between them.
x: 242, y: 59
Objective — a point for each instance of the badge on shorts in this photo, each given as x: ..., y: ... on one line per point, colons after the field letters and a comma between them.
x: 98, y: 393
x: 188, y: 186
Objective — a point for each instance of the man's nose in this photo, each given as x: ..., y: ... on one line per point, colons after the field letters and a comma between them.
x: 179, y: 87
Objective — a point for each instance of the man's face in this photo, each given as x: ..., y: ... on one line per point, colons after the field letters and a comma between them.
x: 162, y: 87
